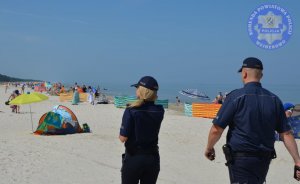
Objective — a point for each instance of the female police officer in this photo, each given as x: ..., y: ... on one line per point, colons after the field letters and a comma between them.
x: 139, y: 131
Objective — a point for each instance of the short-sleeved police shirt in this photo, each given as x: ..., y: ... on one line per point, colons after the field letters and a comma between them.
x: 252, y: 114
x: 141, y: 125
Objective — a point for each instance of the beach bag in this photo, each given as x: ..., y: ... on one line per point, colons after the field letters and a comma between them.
x: 86, y: 128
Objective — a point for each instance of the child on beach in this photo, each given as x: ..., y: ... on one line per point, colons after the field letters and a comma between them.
x: 139, y: 131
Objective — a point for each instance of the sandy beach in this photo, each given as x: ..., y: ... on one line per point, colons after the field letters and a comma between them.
x: 96, y: 157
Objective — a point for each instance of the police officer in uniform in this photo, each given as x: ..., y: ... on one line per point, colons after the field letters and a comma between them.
x: 139, y: 131
x: 253, y: 114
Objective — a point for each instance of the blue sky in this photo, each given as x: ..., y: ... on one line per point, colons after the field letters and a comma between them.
x: 118, y: 41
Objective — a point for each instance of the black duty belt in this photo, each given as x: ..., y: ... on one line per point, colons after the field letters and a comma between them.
x: 142, y: 152
x: 271, y: 155
x: 230, y: 154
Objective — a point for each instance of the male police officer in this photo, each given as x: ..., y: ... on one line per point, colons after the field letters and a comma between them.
x: 253, y: 114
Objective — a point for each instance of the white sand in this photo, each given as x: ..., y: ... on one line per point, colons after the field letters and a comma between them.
x: 96, y: 157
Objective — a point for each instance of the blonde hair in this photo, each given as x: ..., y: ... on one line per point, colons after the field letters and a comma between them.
x: 144, y: 94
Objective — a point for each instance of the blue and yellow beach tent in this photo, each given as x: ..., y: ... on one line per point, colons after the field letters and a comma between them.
x: 60, y: 121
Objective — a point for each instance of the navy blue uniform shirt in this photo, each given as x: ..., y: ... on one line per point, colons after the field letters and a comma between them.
x: 141, y: 125
x: 252, y: 114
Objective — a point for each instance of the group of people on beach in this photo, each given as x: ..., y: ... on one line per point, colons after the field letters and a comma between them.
x: 19, y: 86
x: 19, y: 89
x: 220, y: 98
x: 52, y: 89
x: 252, y: 115
x: 92, y: 93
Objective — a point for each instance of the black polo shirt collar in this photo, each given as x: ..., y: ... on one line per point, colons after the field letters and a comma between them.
x: 253, y: 84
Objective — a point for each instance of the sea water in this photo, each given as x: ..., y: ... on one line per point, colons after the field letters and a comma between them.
x: 287, y: 93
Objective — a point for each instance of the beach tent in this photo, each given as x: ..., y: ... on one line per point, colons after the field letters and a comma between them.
x: 60, y: 121
x: 65, y: 112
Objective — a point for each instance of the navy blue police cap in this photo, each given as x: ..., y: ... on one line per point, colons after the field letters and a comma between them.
x: 252, y: 62
x: 147, y: 82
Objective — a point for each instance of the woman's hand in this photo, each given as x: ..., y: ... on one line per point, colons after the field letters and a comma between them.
x: 123, y: 139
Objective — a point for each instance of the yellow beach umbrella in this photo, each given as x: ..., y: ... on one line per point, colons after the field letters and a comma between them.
x: 28, y: 99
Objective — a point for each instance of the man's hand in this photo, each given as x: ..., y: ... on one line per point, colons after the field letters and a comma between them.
x: 291, y: 145
x: 210, y: 154
x: 213, y: 137
x: 297, y: 171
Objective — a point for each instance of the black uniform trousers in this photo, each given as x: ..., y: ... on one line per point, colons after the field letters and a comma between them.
x: 249, y: 170
x: 143, y: 168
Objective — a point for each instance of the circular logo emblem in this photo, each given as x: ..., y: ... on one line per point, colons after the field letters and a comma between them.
x: 270, y: 26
